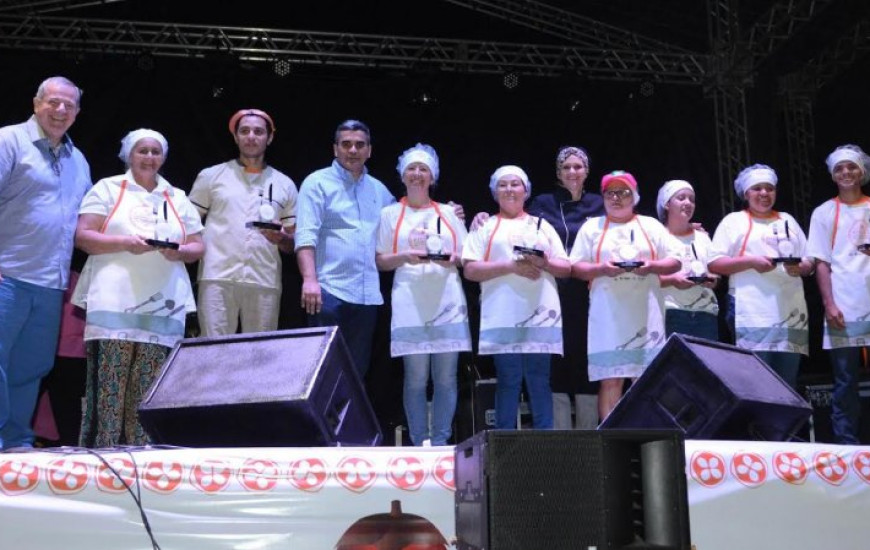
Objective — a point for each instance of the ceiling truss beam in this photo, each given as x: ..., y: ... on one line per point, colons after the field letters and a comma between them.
x: 34, y: 32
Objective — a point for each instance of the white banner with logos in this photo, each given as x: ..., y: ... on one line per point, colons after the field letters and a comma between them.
x: 765, y: 495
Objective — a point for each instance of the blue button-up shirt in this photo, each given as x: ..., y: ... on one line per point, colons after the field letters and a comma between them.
x: 339, y: 218
x: 40, y: 193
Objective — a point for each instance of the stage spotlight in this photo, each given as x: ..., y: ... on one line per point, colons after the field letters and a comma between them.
x: 282, y: 67
x: 425, y: 99
x: 647, y: 89
x: 574, y: 107
x: 511, y: 81
x: 145, y: 62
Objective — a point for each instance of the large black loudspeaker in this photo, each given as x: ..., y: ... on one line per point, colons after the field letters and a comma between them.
x: 711, y: 390
x: 572, y: 489
x: 284, y: 388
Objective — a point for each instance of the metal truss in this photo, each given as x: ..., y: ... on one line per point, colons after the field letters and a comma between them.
x: 727, y: 89
x: 853, y: 44
x: 800, y: 135
x: 773, y: 29
x: 567, y: 25
x: 47, y: 6
x: 34, y: 32
x: 732, y: 141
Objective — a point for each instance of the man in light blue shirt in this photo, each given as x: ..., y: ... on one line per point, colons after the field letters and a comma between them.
x: 43, y: 178
x: 338, y: 210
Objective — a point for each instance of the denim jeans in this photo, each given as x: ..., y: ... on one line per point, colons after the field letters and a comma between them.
x: 845, y: 401
x: 356, y: 323
x: 695, y: 323
x: 29, y: 331
x: 785, y: 364
x: 510, y: 370
x: 417, y: 370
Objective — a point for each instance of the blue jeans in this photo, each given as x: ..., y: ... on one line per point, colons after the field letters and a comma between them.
x: 845, y: 401
x: 695, y: 323
x: 443, y: 370
x: 29, y: 331
x: 510, y: 371
x: 355, y: 322
x: 785, y: 364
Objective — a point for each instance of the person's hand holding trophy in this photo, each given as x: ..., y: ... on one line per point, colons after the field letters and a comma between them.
x: 434, y: 243
x: 266, y: 214
x: 162, y: 230
x: 529, y: 239
x: 784, y: 247
x: 627, y: 255
x: 697, y: 269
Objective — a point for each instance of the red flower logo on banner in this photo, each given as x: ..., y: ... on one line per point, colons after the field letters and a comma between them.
x: 830, y: 467
x: 112, y: 482
x: 356, y: 474
x: 861, y: 465
x: 211, y: 476
x: 707, y: 468
x: 66, y: 476
x: 443, y: 472
x: 790, y: 467
x: 406, y: 473
x: 749, y: 469
x: 308, y: 474
x: 163, y: 477
x: 17, y: 477
x: 259, y: 475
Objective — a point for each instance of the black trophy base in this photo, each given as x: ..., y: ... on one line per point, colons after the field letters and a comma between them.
x: 628, y: 265
x: 442, y: 257
x: 264, y: 225
x: 700, y: 279
x: 527, y: 251
x: 157, y: 243
x: 790, y: 260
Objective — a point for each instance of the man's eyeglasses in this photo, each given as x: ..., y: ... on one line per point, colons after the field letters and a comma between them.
x: 618, y: 194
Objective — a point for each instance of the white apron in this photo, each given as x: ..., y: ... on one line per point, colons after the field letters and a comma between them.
x: 518, y: 315
x: 838, y: 228
x: 144, y: 297
x: 429, y: 311
x: 770, y: 309
x: 626, y: 313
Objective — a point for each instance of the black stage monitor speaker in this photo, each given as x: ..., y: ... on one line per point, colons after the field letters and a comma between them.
x: 285, y: 388
x: 711, y: 390
x: 571, y: 490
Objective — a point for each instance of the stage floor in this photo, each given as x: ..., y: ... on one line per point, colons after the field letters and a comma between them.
x: 742, y: 494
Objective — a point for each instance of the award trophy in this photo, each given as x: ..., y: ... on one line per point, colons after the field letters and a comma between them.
x: 162, y: 230
x: 697, y: 269
x: 629, y: 254
x: 266, y: 213
x: 865, y: 246
x: 530, y: 241
x: 785, y: 248
x: 435, y: 245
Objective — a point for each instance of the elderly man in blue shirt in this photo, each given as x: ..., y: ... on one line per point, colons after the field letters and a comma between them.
x: 43, y: 178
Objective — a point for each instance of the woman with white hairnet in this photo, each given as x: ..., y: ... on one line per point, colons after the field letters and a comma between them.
x: 139, y: 231
x: 421, y: 240
x: 691, y: 306
x: 839, y: 241
x: 516, y: 257
x: 763, y: 253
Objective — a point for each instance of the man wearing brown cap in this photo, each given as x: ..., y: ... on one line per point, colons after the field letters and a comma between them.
x: 249, y: 210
